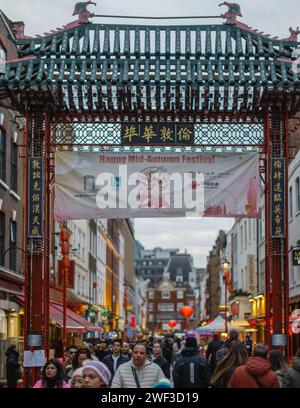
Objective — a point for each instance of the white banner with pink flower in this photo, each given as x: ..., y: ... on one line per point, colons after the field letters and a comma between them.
x: 123, y: 185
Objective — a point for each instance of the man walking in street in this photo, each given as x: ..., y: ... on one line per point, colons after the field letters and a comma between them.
x: 114, y: 360
x: 211, y: 351
x: 100, y: 354
x: 13, y: 367
x: 248, y: 344
x: 138, y: 372
x: 191, y: 370
x: 256, y: 373
x: 158, y: 359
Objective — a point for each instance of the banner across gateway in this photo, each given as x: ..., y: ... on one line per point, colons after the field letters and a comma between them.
x: 123, y: 185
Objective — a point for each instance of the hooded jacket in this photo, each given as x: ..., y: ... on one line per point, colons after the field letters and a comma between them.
x: 256, y: 367
x: 149, y: 374
x: 13, y: 368
x: 292, y: 376
x: 191, y: 370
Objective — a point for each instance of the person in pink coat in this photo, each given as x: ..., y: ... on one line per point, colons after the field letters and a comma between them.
x: 53, y: 376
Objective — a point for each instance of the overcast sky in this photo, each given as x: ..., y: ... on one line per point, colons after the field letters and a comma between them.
x: 271, y: 16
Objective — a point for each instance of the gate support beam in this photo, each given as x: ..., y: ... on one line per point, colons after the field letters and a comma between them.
x: 277, y: 256
x: 36, y: 218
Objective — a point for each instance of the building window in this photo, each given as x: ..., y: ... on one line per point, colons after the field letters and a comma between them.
x: 2, y: 237
x: 151, y: 307
x: 179, y: 278
x: 291, y: 202
x: 242, y: 238
x: 2, y: 153
x: 298, y: 193
x: 12, y: 246
x: 246, y: 237
x: 179, y: 306
x: 151, y: 294
x: 2, y: 53
x: 250, y: 221
x: 150, y: 319
x: 14, y: 167
x: 180, y: 294
x: 165, y: 295
x: 166, y: 307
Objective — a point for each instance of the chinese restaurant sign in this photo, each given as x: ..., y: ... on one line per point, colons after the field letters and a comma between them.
x: 157, y: 134
x: 35, y: 227
x: 277, y: 197
x: 121, y: 185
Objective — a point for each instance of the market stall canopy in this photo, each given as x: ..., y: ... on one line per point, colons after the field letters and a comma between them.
x: 217, y: 325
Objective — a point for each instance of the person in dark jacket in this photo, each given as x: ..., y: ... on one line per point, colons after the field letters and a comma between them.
x: 100, y: 354
x: 167, y: 350
x: 158, y: 359
x: 292, y: 376
x: 13, y: 368
x: 248, y: 344
x: 114, y: 360
x: 191, y: 370
x: 256, y: 373
x: 233, y: 336
x: 211, y: 351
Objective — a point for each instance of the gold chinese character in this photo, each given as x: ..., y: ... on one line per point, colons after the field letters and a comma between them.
x: 34, y: 231
x: 278, y: 164
x: 184, y: 134
x: 148, y: 133
x: 277, y: 219
x: 277, y: 197
x: 36, y: 164
x: 278, y: 188
x: 35, y: 220
x: 36, y: 209
x: 278, y: 175
x: 130, y: 132
x: 166, y: 134
x: 36, y: 186
x: 278, y: 231
x: 36, y: 175
x: 277, y: 209
x: 35, y: 198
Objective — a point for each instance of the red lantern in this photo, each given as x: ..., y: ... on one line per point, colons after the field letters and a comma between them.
x: 66, y: 262
x: 65, y: 248
x: 172, y: 323
x: 64, y: 235
x: 186, y: 311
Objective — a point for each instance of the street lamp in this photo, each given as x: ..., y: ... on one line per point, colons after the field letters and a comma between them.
x: 226, y: 266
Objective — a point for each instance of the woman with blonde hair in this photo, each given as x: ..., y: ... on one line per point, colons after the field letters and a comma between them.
x: 236, y: 357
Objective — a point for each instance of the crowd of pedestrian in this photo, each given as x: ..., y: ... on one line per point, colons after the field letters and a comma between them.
x: 167, y: 363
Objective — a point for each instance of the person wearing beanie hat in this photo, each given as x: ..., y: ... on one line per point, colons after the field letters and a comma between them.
x: 164, y: 383
x: 77, y: 379
x: 191, y: 370
x: 95, y: 375
x: 191, y: 342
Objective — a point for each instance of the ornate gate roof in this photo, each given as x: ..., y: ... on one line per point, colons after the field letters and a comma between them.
x: 138, y: 68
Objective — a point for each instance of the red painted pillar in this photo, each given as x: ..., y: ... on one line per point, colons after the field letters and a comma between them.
x: 36, y: 240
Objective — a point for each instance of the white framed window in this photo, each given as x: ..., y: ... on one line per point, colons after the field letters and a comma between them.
x: 291, y: 202
x: 166, y: 307
x: 179, y: 305
x: 151, y: 294
x: 151, y: 307
x: 297, y: 192
x: 166, y: 295
x: 150, y: 318
x: 180, y: 294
